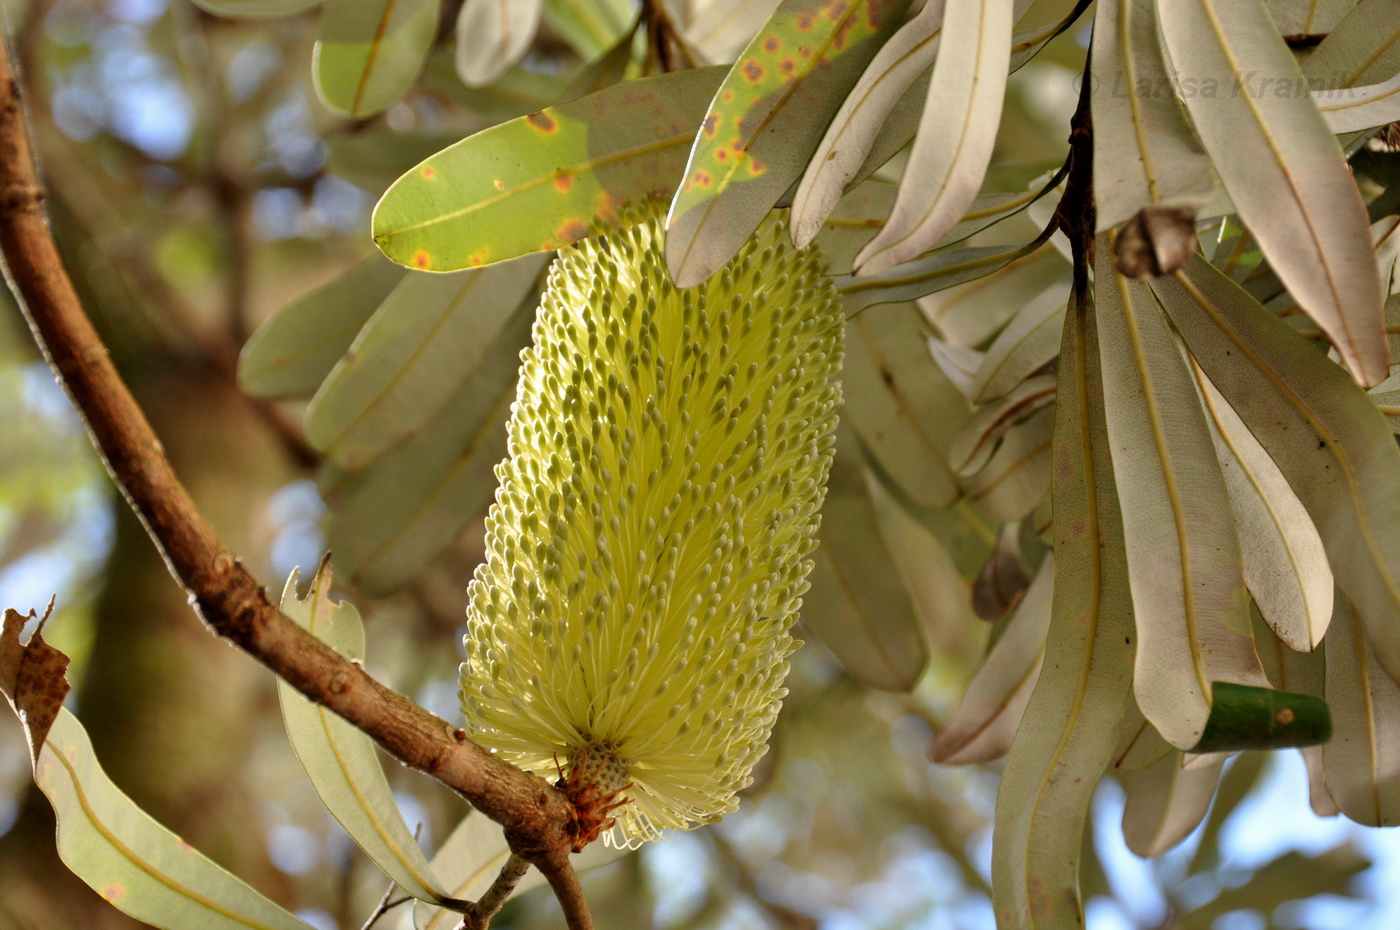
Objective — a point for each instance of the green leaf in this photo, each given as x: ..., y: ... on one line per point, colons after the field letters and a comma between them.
x: 1145, y: 153
x: 925, y: 559
x: 1017, y: 476
x: 1322, y: 431
x: 1283, y: 169
x: 1245, y: 717
x: 493, y: 35
x: 1285, y: 564
x: 1239, y: 781
x: 1355, y: 108
x: 1308, y: 17
x: 972, y: 313
x: 982, y: 727
x: 255, y: 9
x: 956, y: 134
x: 590, y: 26
x: 1068, y: 733
x: 1183, y: 558
x: 856, y: 218
x: 899, y: 403
x: 1290, y: 877
x: 392, y: 518
x: 1362, y: 761
x: 857, y: 605
x: 136, y: 864
x: 934, y: 272
x: 1028, y: 343
x: 1363, y: 48
x: 764, y: 123
x: 1165, y: 802
x: 294, y: 350
x: 976, y: 441
x: 421, y: 344
x: 369, y: 52
x: 472, y: 855
x: 339, y: 759
x: 543, y: 181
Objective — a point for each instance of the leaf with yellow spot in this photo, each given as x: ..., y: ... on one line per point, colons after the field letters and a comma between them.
x: 765, y: 122
x: 544, y: 180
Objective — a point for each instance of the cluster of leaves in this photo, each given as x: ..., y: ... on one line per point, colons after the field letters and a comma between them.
x: 1133, y: 455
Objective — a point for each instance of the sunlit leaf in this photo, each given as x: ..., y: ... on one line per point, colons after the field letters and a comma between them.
x: 1285, y: 564
x: 900, y: 404
x: 956, y: 134
x: 991, y: 707
x: 422, y: 343
x: 1070, y: 728
x: 1183, y: 559
x: 764, y: 123
x: 296, y: 348
x: 1362, y: 761
x: 857, y: 605
x: 1283, y: 169
x: 493, y: 35
x: 369, y: 52
x: 1165, y: 802
x: 1325, y: 434
x: 544, y: 180
x: 392, y: 518
x: 339, y: 759
x: 132, y: 861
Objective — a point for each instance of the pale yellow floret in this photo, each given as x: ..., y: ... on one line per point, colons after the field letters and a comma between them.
x: 647, y: 551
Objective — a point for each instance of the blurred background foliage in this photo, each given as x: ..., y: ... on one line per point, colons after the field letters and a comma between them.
x: 197, y: 185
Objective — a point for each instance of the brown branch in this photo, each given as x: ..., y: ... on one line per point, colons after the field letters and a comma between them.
x: 490, y: 903
x: 225, y: 595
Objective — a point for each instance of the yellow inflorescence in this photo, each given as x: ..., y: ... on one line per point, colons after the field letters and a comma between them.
x: 647, y: 551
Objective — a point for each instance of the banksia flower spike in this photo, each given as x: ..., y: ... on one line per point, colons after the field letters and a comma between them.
x: 647, y: 551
